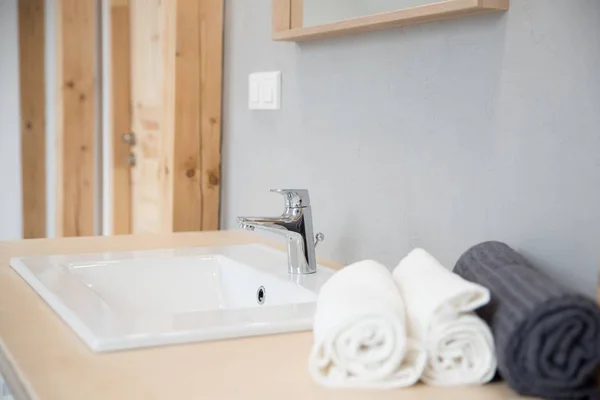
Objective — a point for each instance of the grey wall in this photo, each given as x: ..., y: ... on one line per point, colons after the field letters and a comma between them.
x: 10, y: 150
x: 438, y: 135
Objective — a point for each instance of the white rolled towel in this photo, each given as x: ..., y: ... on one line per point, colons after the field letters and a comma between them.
x: 440, y: 305
x: 359, y: 331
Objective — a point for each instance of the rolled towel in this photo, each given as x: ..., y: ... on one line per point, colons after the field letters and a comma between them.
x: 547, y: 339
x: 459, y: 345
x: 359, y: 332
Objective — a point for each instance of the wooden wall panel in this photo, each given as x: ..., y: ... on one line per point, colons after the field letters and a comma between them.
x: 187, y: 197
x: 76, y: 117
x: 152, y: 97
x: 120, y: 115
x: 33, y: 126
x: 211, y: 73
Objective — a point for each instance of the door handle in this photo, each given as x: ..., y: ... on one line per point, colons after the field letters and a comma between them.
x: 129, y: 138
x: 131, y: 159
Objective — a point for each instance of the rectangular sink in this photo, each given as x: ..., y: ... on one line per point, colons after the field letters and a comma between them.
x: 156, y: 297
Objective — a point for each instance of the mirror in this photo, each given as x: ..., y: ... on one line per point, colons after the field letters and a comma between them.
x: 319, y: 12
x: 296, y: 20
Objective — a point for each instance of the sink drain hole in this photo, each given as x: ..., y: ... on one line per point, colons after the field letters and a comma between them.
x: 261, y: 294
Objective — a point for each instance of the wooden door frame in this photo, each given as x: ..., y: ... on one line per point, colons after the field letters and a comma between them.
x: 196, y: 62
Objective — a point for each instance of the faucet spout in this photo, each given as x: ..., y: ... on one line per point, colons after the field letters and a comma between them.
x: 266, y: 225
x: 264, y: 221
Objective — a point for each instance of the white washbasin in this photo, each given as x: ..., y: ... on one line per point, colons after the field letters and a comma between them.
x: 149, y: 298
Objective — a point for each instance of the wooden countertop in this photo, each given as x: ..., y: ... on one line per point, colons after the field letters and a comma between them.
x: 41, y: 358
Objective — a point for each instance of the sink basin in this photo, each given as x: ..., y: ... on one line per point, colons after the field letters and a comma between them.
x: 149, y: 298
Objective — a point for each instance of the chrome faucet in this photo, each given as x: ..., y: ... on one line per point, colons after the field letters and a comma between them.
x: 295, y: 224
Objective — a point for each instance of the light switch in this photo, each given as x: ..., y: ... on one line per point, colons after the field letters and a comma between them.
x: 265, y: 91
x: 253, y: 92
x: 254, y: 98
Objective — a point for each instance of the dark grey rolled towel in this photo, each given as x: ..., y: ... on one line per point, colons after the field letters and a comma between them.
x: 547, y: 338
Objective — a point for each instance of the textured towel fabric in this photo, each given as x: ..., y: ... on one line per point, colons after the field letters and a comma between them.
x: 440, y: 304
x: 359, y: 331
x: 547, y: 339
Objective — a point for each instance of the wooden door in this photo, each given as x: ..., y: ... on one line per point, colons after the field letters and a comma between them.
x: 175, y: 79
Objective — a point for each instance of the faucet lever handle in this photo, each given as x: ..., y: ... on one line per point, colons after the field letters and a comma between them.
x: 294, y: 198
x: 319, y: 237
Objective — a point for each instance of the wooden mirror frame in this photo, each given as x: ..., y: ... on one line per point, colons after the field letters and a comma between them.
x: 287, y: 18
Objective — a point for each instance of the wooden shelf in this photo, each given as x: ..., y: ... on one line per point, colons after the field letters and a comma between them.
x: 283, y: 18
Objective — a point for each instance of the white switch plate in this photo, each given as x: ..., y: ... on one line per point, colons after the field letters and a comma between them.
x: 264, y: 91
